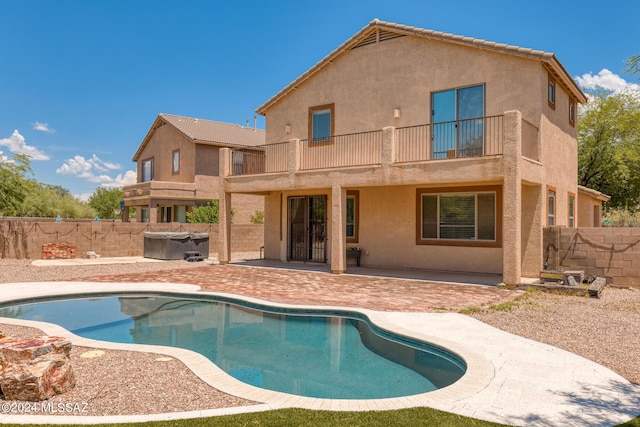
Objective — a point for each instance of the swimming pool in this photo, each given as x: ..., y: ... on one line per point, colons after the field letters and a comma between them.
x: 317, y: 353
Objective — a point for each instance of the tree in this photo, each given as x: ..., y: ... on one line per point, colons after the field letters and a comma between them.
x: 207, y: 214
x: 609, y: 148
x: 15, y: 182
x: 633, y: 65
x: 46, y: 200
x: 257, y: 217
x: 105, y: 201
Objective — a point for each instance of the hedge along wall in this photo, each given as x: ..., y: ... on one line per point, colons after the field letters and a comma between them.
x: 610, y: 252
x: 25, y: 238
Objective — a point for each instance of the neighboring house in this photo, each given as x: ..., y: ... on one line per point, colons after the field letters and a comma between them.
x: 423, y: 149
x: 177, y: 166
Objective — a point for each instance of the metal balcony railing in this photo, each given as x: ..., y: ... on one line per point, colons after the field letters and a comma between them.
x: 355, y: 149
x: 449, y: 140
x: 482, y: 136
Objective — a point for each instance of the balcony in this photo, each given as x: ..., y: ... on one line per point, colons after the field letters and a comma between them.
x: 473, y: 138
x: 160, y: 189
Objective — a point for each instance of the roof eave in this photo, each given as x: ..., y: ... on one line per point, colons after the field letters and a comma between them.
x: 146, y: 139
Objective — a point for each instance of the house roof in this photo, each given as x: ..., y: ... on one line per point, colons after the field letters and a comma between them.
x: 381, y: 29
x: 201, y: 131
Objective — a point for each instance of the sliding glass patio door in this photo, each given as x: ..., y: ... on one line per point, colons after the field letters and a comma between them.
x: 458, y: 123
x: 307, y: 228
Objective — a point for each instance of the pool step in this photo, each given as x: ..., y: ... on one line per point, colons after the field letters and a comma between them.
x: 193, y: 256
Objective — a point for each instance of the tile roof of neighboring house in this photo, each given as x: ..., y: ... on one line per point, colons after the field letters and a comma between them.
x: 207, y: 132
x: 390, y: 30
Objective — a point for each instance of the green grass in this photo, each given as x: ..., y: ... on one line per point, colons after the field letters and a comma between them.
x: 307, y: 418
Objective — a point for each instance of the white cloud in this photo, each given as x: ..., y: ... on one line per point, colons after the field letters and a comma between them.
x: 607, y: 80
x: 94, y: 170
x: 17, y: 145
x: 4, y: 158
x: 43, y: 127
x: 84, y: 197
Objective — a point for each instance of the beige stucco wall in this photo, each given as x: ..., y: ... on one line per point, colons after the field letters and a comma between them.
x: 368, y: 83
x: 365, y: 85
x: 387, y: 233
x: 591, y: 210
x: 160, y: 147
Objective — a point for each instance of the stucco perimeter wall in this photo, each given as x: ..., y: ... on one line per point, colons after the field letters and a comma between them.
x: 611, y: 252
x: 25, y: 238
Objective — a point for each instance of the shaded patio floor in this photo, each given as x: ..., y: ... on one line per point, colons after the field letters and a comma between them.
x: 398, y: 273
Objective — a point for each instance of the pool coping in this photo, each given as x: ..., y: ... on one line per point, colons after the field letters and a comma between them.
x: 476, y: 394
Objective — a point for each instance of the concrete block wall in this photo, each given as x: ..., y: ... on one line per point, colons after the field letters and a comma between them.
x: 25, y: 238
x: 610, y: 252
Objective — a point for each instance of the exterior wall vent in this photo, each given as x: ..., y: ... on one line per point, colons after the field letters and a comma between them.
x: 377, y: 36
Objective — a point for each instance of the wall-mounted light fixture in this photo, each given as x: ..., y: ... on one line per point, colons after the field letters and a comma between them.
x: 287, y: 129
x: 396, y: 113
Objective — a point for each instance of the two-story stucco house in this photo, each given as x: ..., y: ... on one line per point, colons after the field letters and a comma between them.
x: 424, y: 149
x: 177, y: 165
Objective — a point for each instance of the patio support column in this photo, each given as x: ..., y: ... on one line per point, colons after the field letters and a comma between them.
x: 512, y: 199
x: 338, y: 229
x: 153, y: 212
x: 224, y: 200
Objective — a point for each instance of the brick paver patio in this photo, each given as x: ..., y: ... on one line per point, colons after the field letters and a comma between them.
x: 320, y: 288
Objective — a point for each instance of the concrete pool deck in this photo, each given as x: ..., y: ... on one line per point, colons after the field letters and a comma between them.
x: 510, y: 379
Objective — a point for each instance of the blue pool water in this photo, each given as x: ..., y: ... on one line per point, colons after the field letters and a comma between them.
x: 317, y: 354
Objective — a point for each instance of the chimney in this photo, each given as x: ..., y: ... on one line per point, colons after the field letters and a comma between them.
x: 255, y: 119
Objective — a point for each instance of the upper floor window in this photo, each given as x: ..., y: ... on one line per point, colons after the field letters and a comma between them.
x: 175, y: 162
x: 321, y: 123
x: 551, y: 93
x: 147, y: 170
x: 572, y: 112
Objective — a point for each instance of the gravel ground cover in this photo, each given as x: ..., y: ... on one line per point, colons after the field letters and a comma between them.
x: 604, y: 330
x: 121, y: 383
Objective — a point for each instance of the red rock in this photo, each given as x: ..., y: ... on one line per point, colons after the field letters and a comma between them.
x: 36, y: 368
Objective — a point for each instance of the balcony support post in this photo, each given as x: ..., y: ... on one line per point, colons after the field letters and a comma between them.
x: 388, y: 145
x: 293, y: 161
x: 224, y: 205
x: 338, y: 229
x: 512, y: 199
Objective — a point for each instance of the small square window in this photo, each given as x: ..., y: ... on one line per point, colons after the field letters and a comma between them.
x: 321, y: 123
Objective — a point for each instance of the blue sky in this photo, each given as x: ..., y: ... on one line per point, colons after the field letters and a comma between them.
x: 82, y: 81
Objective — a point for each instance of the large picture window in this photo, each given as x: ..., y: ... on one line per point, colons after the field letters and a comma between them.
x: 459, y: 217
